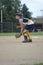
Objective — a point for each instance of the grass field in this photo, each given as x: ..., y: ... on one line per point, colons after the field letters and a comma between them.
x: 13, y: 34
x: 14, y: 52
x: 34, y: 64
x: 39, y: 64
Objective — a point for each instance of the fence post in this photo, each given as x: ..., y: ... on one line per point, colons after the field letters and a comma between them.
x: 1, y: 21
x: 12, y: 26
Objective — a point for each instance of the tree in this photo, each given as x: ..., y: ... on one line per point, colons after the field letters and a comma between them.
x: 25, y: 11
x: 11, y: 7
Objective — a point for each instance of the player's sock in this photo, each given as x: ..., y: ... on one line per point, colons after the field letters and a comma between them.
x: 28, y: 35
x: 25, y: 38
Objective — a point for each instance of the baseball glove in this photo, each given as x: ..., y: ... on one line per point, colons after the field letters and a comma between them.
x: 18, y: 35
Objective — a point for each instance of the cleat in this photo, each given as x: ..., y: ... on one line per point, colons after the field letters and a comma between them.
x: 30, y: 40
x: 26, y: 41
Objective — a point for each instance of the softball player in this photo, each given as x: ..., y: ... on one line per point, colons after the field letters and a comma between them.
x: 26, y: 26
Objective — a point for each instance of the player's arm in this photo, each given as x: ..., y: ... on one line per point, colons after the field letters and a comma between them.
x: 22, y: 26
x: 18, y: 26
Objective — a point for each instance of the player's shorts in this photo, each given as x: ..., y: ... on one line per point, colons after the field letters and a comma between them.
x: 29, y: 27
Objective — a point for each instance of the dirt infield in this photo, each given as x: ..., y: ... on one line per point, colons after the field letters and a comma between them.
x: 13, y: 51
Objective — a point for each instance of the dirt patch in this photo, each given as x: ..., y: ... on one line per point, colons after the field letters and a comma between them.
x: 13, y: 51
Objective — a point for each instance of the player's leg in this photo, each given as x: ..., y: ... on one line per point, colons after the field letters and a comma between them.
x: 27, y: 36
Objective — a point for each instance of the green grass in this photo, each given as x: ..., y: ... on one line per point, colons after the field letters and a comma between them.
x: 39, y: 64
x: 13, y: 34
x: 36, y: 33
x: 7, y: 34
x: 33, y: 64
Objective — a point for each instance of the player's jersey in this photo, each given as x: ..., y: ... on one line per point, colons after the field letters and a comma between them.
x: 27, y: 21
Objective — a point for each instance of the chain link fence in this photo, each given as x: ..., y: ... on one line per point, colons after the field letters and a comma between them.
x: 8, y: 27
